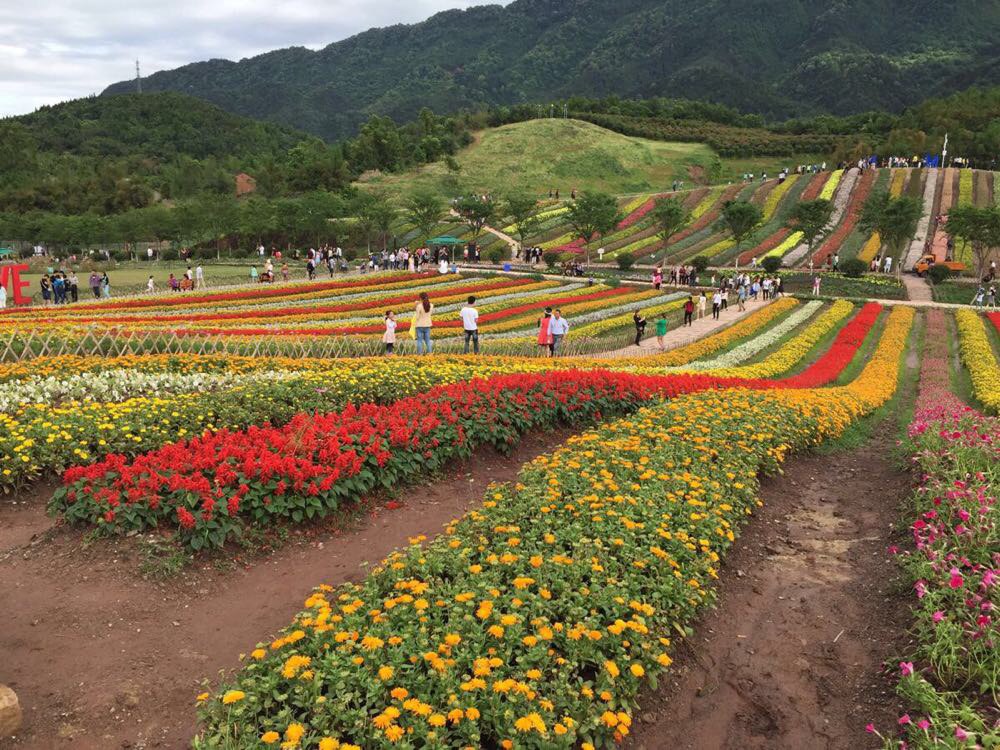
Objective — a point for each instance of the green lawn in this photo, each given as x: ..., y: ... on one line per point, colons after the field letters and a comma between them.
x: 542, y: 155
x: 956, y: 292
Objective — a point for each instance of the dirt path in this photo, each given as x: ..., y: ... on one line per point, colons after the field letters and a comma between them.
x: 792, y: 657
x: 102, y: 659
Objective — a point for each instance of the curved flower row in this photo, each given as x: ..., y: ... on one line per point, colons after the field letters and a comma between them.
x: 747, y: 327
x: 787, y: 244
x: 952, y: 563
x: 536, y: 620
x: 212, y: 486
x: 758, y: 343
x: 836, y: 238
x: 831, y: 185
x: 795, y: 349
x: 979, y: 358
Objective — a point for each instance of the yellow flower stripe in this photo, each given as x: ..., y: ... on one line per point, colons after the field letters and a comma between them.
x: 791, y: 241
x: 750, y: 325
x: 795, y: 349
x: 775, y: 196
x: 707, y: 202
x: 979, y: 358
x: 599, y: 327
x: 830, y: 187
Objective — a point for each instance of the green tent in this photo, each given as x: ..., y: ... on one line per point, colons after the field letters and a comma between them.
x: 6, y: 252
x: 446, y: 240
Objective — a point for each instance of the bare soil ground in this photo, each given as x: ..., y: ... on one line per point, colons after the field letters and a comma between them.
x: 808, y: 610
x: 101, y: 658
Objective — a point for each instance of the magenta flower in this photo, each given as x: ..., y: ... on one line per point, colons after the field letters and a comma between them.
x: 905, y: 719
x: 937, y: 616
x: 906, y: 668
x: 956, y: 579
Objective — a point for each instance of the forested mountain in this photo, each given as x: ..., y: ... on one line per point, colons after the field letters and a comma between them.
x: 776, y: 57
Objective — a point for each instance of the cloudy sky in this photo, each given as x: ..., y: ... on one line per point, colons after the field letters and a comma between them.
x: 53, y: 50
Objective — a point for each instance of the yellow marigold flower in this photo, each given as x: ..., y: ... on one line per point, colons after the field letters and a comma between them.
x: 329, y: 743
x: 610, y: 718
x: 436, y: 720
x: 258, y: 653
x: 453, y: 639
x: 472, y: 714
x: 523, y: 582
x: 456, y: 715
x: 612, y: 668
x: 371, y: 643
x: 269, y: 738
x: 382, y: 721
x: 202, y: 697
x: 386, y: 673
x: 664, y: 660
x: 560, y: 729
x: 233, y: 696
x: 637, y: 670
x: 496, y: 631
x: 399, y: 693
x: 394, y: 733
x: 294, y: 732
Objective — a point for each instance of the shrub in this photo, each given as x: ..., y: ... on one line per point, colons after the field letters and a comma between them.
x: 938, y: 273
x: 854, y: 268
x: 700, y: 262
x: 551, y: 257
x: 625, y: 261
x: 350, y: 254
x: 771, y: 264
x: 169, y: 254
x: 495, y: 254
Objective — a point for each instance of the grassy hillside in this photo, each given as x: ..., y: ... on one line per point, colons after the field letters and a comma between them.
x: 542, y: 155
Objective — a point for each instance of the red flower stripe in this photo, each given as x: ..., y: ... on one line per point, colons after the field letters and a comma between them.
x: 403, y: 325
x: 256, y: 294
x: 410, y: 297
x: 815, y: 186
x: 995, y: 318
x: 836, y: 239
x: 827, y: 368
x: 768, y: 244
x: 211, y: 486
x: 703, y: 221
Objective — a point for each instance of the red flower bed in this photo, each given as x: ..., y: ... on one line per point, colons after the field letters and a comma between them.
x: 994, y: 317
x: 835, y: 240
x: 212, y: 486
x: 385, y: 302
x: 815, y: 186
x: 767, y: 245
x: 403, y: 325
x: 828, y: 367
x: 257, y: 293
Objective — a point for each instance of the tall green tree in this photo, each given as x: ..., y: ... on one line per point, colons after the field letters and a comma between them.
x: 895, y: 219
x: 593, y: 214
x: 520, y: 207
x: 670, y: 217
x: 741, y: 218
x: 979, y: 228
x: 424, y: 210
x: 811, y: 218
x: 476, y: 212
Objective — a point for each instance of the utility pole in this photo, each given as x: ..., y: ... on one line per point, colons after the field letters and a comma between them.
x: 138, y: 78
x: 944, y: 152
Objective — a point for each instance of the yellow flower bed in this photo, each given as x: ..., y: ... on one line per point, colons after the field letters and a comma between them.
x: 775, y: 196
x: 750, y: 325
x: 795, y: 349
x: 536, y: 620
x: 979, y: 358
x: 830, y: 186
x: 791, y: 241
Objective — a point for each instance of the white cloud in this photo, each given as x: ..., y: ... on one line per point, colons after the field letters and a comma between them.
x: 65, y: 49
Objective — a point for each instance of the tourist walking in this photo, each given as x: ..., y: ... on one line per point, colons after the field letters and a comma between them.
x: 106, y: 286
x: 95, y: 284
x: 389, y: 337
x: 544, y: 337
x: 816, y: 285
x: 640, y: 326
x: 716, y: 304
x: 470, y: 324
x: 702, y: 304
x: 199, y: 277
x: 422, y: 323
x: 688, y: 311
x: 661, y: 328
x: 559, y: 328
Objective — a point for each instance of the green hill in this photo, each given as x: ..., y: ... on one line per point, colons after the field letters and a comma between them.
x: 541, y: 155
x: 774, y: 57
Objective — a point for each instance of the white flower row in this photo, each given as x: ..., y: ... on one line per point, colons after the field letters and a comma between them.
x: 916, y: 249
x: 840, y: 201
x: 118, y: 385
x: 758, y: 343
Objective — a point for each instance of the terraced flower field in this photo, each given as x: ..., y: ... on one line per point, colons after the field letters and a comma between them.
x: 540, y: 617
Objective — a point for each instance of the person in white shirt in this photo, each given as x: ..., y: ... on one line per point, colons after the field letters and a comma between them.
x: 470, y: 324
x: 888, y: 263
x: 199, y: 277
x: 716, y: 304
x: 558, y: 328
x: 150, y: 286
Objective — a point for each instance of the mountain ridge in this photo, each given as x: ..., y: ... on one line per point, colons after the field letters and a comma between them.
x: 778, y: 58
